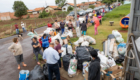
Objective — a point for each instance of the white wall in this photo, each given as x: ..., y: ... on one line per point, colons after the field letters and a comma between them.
x: 66, y: 7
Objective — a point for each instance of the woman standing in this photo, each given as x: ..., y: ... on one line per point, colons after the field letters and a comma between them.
x: 70, y: 25
x: 32, y: 33
x: 84, y: 28
x: 36, y: 48
x: 45, y: 41
x: 16, y: 48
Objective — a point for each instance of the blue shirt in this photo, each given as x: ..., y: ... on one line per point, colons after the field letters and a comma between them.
x: 45, y: 42
x: 51, y: 55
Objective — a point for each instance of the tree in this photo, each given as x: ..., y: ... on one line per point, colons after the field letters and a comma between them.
x: 43, y: 14
x: 92, y: 6
x: 108, y: 1
x: 19, y: 8
x: 70, y: 8
x: 60, y: 3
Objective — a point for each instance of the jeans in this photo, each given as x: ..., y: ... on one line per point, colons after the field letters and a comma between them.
x: 86, y: 20
x: 53, y: 68
x: 36, y: 54
x: 17, y: 31
x: 84, y: 32
x: 59, y: 61
x: 62, y: 29
x: 24, y: 30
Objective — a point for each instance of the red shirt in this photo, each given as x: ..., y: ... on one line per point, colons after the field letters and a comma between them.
x: 16, y: 26
x: 58, y: 47
x: 49, y: 25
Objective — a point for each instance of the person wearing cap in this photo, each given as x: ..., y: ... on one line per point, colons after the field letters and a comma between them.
x: 94, y: 66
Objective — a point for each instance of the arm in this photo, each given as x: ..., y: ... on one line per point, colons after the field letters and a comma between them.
x: 36, y: 33
x: 92, y: 72
x: 44, y: 56
x: 11, y: 48
x: 56, y: 55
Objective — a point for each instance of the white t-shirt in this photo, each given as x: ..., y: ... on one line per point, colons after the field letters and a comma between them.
x: 22, y: 25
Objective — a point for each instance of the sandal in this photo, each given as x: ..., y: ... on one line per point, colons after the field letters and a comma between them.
x: 18, y: 68
x: 24, y: 65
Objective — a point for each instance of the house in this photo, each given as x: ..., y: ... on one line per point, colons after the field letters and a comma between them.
x: 5, y: 16
x: 38, y: 10
x: 52, y: 9
x: 66, y: 5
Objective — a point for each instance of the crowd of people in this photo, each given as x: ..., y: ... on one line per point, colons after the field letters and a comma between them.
x: 52, y: 53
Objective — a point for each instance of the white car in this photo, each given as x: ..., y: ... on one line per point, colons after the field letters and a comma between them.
x: 81, y: 13
x: 89, y: 10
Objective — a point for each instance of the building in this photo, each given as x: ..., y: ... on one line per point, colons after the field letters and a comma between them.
x: 52, y: 9
x: 38, y: 10
x: 5, y: 16
x: 66, y: 5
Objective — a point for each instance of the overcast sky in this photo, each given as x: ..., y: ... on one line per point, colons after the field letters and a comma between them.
x: 6, y: 5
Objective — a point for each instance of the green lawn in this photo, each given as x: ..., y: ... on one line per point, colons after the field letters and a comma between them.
x: 105, y: 29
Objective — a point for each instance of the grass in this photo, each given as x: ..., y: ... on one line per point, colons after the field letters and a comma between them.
x: 118, y: 12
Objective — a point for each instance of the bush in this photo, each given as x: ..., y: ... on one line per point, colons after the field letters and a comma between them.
x: 70, y: 8
x: 43, y: 14
x: 28, y: 17
x: 61, y: 13
x: 92, y: 6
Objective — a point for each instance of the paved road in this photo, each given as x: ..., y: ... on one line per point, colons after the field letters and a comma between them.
x: 8, y: 65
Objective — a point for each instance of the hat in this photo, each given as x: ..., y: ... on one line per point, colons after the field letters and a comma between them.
x: 93, y: 53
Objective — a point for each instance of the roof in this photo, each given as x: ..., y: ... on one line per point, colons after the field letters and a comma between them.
x: 29, y: 10
x: 71, y: 4
x: 38, y: 9
x: 54, y: 7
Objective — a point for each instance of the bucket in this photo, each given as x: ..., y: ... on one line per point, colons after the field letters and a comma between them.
x: 24, y: 75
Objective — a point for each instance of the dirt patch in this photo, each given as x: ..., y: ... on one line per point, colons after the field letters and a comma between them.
x: 123, y: 31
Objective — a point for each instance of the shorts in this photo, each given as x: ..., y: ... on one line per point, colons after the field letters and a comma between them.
x: 19, y: 58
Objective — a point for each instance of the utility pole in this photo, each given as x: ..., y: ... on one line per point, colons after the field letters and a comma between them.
x: 75, y: 10
x: 88, y: 3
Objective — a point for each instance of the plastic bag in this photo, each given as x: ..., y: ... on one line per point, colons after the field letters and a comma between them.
x: 72, y: 67
x: 46, y: 73
x: 116, y: 33
x: 78, y: 31
x: 57, y: 37
x: 137, y: 41
x: 121, y: 48
x: 120, y: 59
x: 111, y: 45
x: 36, y: 73
x: 70, y: 33
x: 115, y: 52
x: 85, y: 65
x: 85, y: 43
x: 81, y: 39
x: 24, y: 75
x: 90, y: 40
x: 66, y: 61
x: 119, y: 39
x: 47, y: 31
x: 111, y: 61
x: 76, y: 43
x: 111, y: 36
x: 69, y: 48
x: 64, y: 51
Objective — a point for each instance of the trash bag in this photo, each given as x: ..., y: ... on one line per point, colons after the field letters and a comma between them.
x: 116, y: 33
x: 81, y: 39
x: 78, y: 31
x: 69, y: 48
x: 119, y: 39
x: 111, y: 36
x: 111, y: 62
x: 82, y: 54
x: 85, y: 65
x: 46, y: 73
x: 90, y: 39
x: 120, y: 59
x: 85, y: 43
x: 72, y: 67
x: 36, y: 74
x: 64, y: 51
x: 89, y: 48
x: 66, y: 61
x: 76, y: 43
x: 121, y: 48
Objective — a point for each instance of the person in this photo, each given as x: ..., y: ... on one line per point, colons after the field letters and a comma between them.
x: 70, y: 25
x: 95, y: 28
x: 57, y: 27
x: 78, y: 23
x: 58, y: 49
x: 49, y: 24
x: 17, y: 51
x: 94, y: 66
x: 84, y: 28
x: 17, y: 30
x: 45, y: 41
x: 78, y: 15
x: 51, y: 56
x: 36, y: 48
x: 98, y: 13
x: 62, y: 25
x: 23, y: 27
x: 100, y: 18
x: 32, y: 33
x: 86, y: 18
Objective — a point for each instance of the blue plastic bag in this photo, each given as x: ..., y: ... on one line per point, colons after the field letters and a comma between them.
x: 24, y: 75
x: 122, y: 45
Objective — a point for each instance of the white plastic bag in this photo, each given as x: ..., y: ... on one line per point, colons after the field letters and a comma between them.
x: 121, y: 50
x: 111, y: 45
x: 70, y: 33
x: 85, y: 43
x: 85, y: 65
x: 119, y: 39
x: 57, y: 37
x: 115, y: 52
x: 78, y: 31
x: 111, y: 61
x: 69, y: 48
x: 90, y: 40
x: 137, y: 41
x: 47, y: 31
x: 81, y: 39
x: 116, y: 33
x: 72, y: 67
x: 76, y: 43
x: 64, y: 51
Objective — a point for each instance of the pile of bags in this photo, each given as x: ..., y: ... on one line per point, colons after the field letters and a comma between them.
x: 118, y: 36
x: 85, y: 41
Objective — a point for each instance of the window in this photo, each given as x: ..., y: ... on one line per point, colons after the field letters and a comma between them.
x: 64, y: 8
x: 47, y: 11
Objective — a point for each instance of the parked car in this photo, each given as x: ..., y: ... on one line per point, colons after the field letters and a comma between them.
x: 89, y: 10
x: 82, y: 12
x: 71, y: 13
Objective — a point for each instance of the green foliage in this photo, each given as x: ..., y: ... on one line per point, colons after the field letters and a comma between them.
x: 60, y: 3
x: 28, y: 17
x: 118, y: 12
x: 19, y: 8
x: 70, y: 8
x: 92, y: 6
x: 61, y: 14
x: 43, y: 14
x: 108, y: 1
